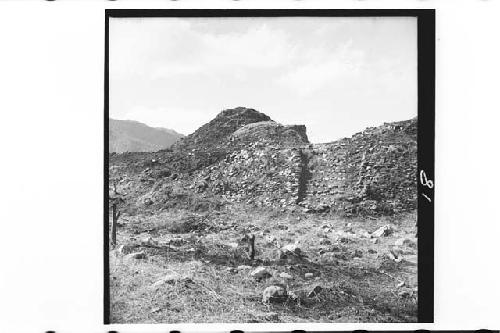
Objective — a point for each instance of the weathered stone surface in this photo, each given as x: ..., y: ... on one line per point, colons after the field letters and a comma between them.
x: 274, y: 294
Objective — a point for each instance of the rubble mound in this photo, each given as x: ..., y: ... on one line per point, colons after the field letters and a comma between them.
x: 213, y: 134
x: 243, y: 156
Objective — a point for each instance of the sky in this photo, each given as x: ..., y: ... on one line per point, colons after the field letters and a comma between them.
x: 335, y: 75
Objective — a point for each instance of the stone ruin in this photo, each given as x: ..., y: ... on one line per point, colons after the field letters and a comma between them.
x: 244, y: 156
x: 373, y: 172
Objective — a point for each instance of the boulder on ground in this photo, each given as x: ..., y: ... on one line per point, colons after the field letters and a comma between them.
x: 126, y: 249
x: 285, y: 276
x: 260, y: 273
x: 291, y: 248
x: 274, y: 294
x: 243, y: 267
x: 137, y: 255
x: 291, y: 252
x: 383, y: 231
x: 315, y: 291
x: 309, y: 275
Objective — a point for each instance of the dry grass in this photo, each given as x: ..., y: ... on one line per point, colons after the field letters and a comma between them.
x: 360, y: 284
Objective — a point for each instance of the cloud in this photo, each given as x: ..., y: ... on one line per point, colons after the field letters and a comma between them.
x: 172, y: 47
x: 321, y: 67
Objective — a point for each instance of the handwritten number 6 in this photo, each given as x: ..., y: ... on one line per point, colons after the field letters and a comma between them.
x: 424, y: 181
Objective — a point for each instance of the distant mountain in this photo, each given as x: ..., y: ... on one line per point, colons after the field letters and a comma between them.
x: 133, y: 136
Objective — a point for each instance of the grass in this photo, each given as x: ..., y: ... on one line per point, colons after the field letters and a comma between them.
x: 359, y: 283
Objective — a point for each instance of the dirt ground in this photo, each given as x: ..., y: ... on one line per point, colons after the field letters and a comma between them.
x: 178, y: 266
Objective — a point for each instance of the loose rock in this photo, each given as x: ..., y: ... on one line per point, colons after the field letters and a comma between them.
x: 315, y: 291
x: 386, y: 230
x: 405, y: 242
x: 274, y: 294
x: 137, y: 255
x: 260, y: 273
x: 243, y: 267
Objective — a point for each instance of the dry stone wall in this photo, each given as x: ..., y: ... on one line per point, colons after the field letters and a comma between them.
x: 266, y: 177
x: 374, y: 172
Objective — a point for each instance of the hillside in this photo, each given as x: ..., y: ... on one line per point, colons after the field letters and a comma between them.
x: 133, y: 136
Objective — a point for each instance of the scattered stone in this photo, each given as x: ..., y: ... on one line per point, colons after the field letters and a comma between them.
x: 178, y: 241
x: 155, y: 310
x: 383, y: 231
x: 344, y: 240
x: 358, y: 253
x: 401, y: 284
x: 274, y: 294
x: 270, y: 239
x: 270, y: 316
x: 291, y: 248
x: 231, y: 270
x: 374, y: 240
x: 260, y: 273
x: 396, y: 252
x: 243, y: 267
x: 390, y: 255
x: 405, y: 293
x: 148, y: 241
x: 309, y: 275
x: 285, y: 276
x: 232, y: 245
x: 325, y: 241
x: 405, y: 242
x: 315, y: 291
x: 292, y: 296
x: 125, y: 249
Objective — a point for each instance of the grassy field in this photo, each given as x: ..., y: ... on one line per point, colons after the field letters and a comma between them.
x: 193, y: 270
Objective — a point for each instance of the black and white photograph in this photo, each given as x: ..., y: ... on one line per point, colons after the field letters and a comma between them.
x: 249, y: 166
x: 263, y: 169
